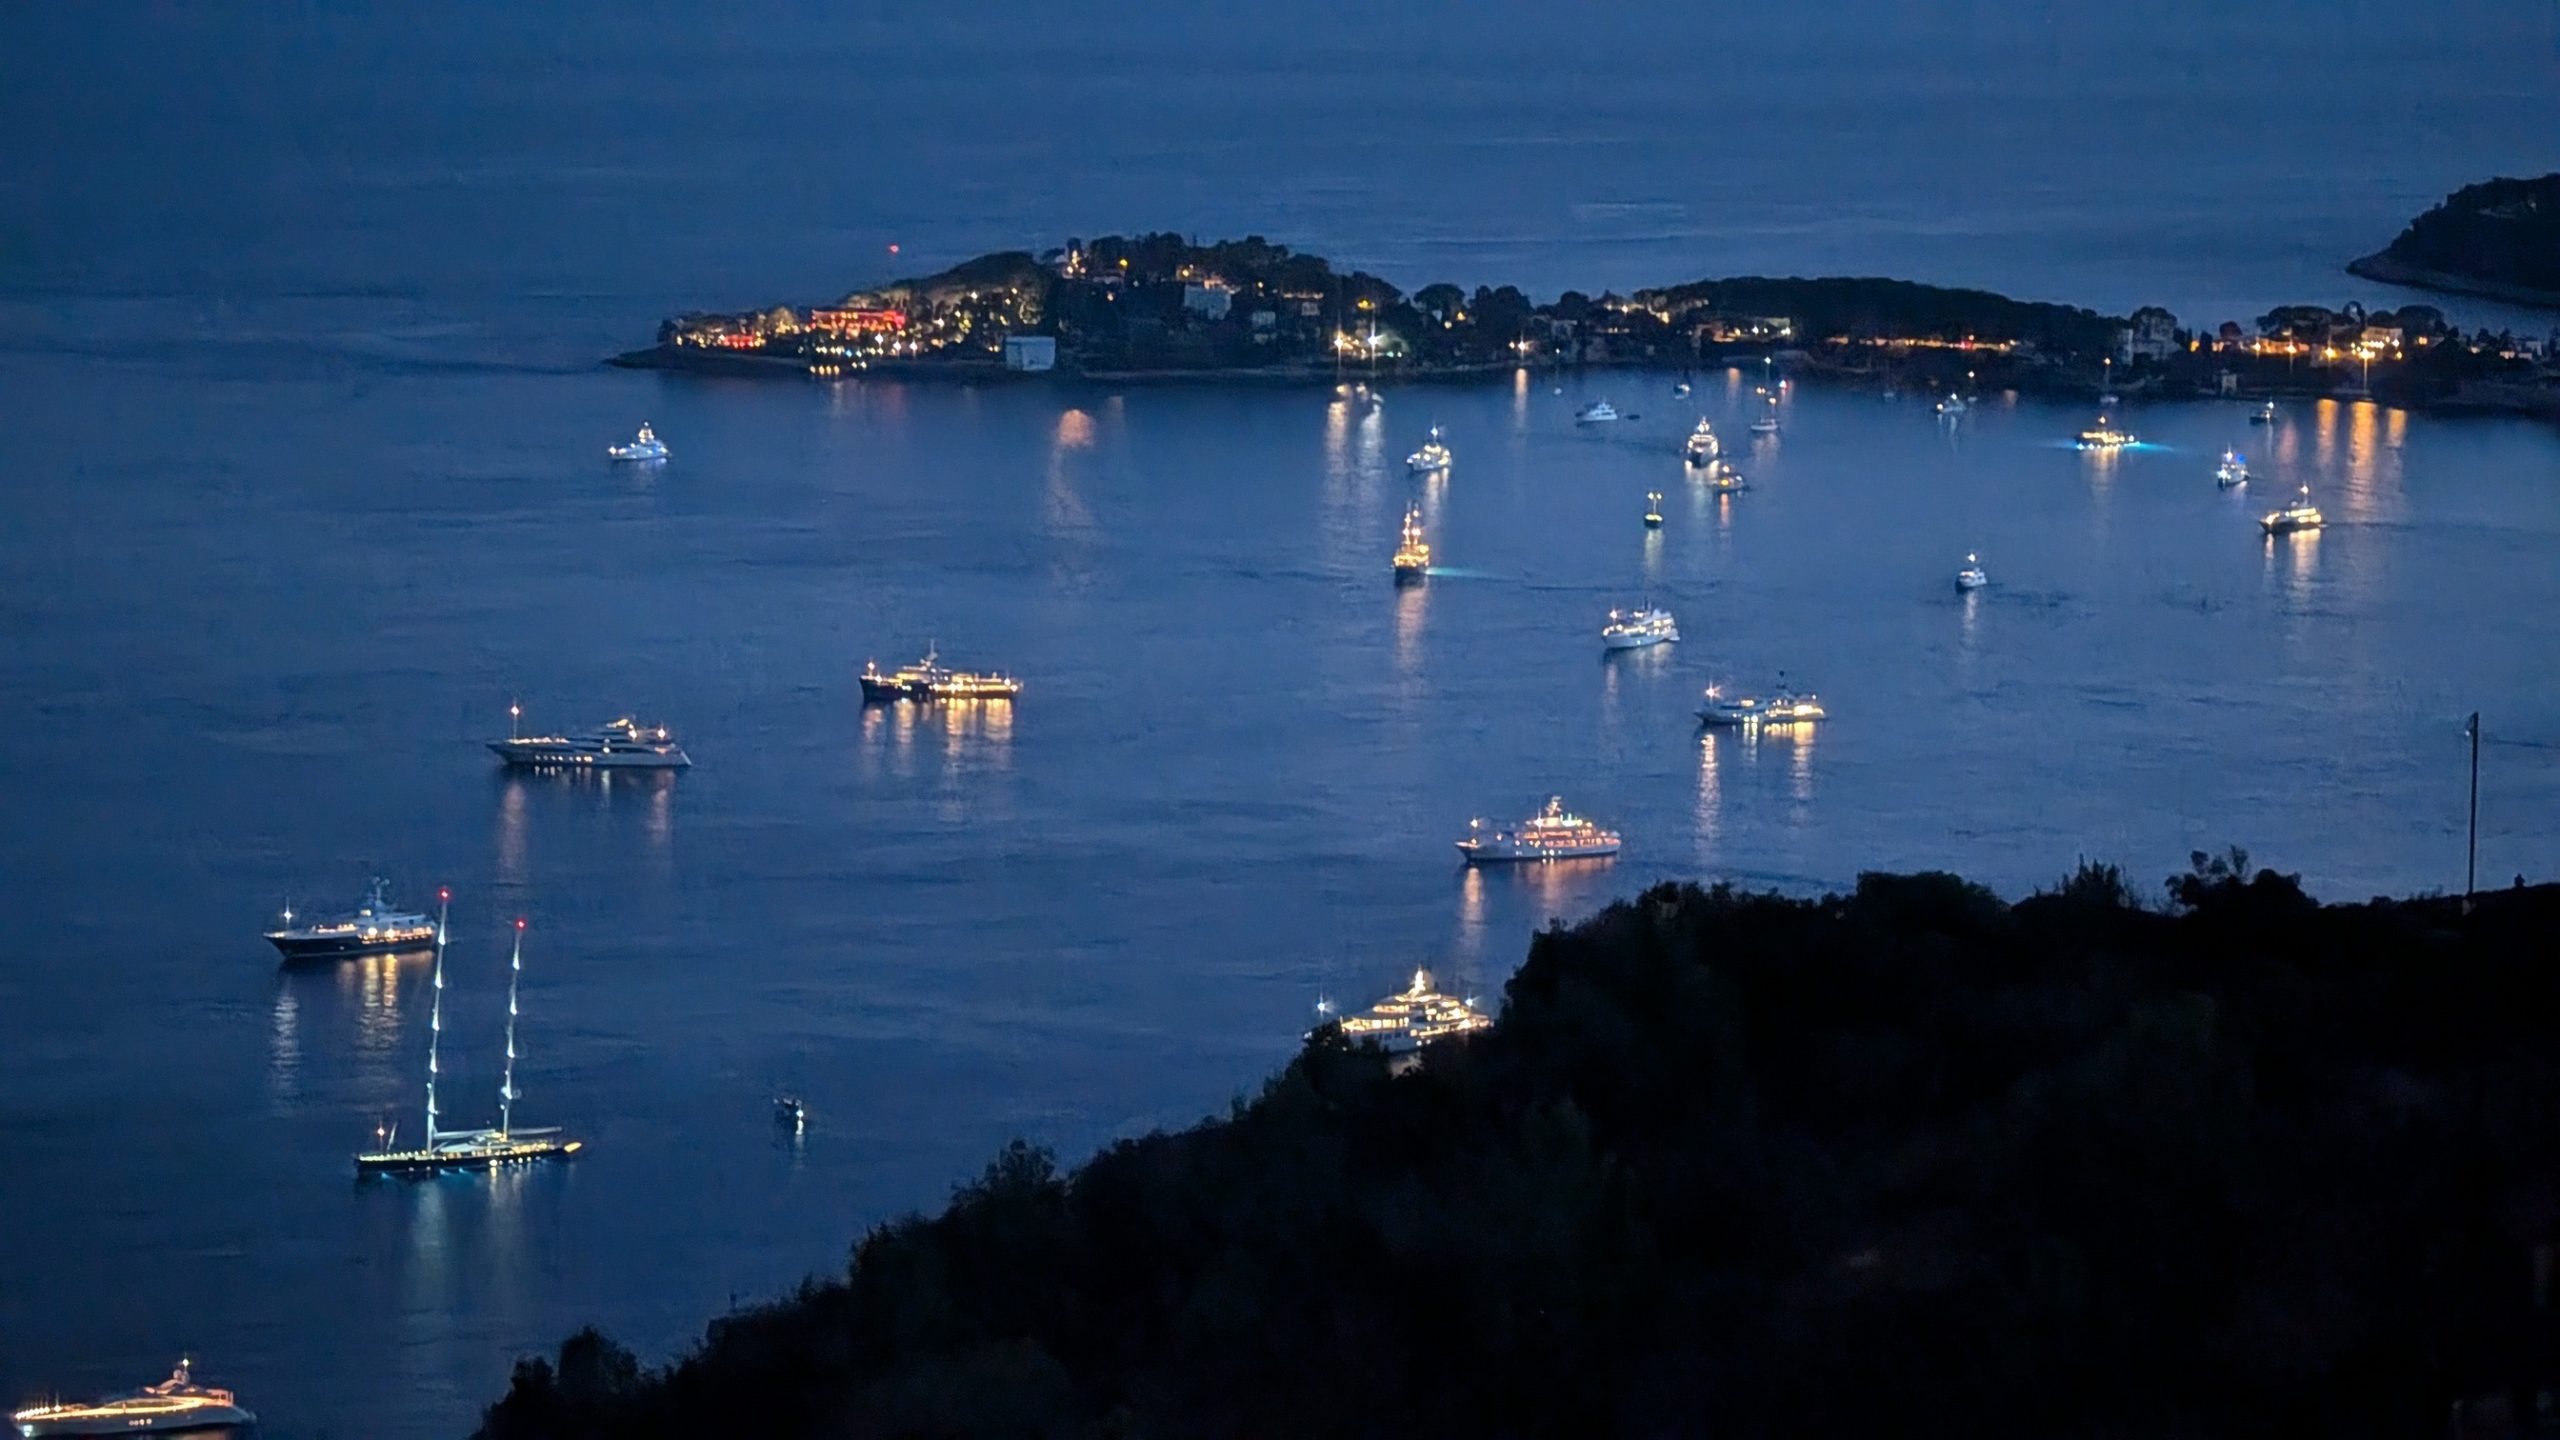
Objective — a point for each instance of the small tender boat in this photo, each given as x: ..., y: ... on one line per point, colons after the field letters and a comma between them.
x: 2264, y: 414
x: 1653, y: 509
x: 1767, y: 424
x: 1598, y: 412
x: 1972, y: 576
x: 2300, y: 515
x: 1953, y: 407
x: 790, y: 1113
x: 642, y: 448
x: 2232, y: 472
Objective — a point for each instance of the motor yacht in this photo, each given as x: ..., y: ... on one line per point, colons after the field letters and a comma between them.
x: 2232, y: 472
x: 1972, y: 576
x: 1552, y: 834
x: 1598, y: 412
x: 1432, y: 459
x: 1784, y: 707
x: 1638, y: 629
x: 1702, y: 447
x: 2105, y: 436
x: 1406, y: 1022
x: 928, y: 679
x: 177, y: 1403
x: 623, y: 744
x: 374, y: 927
x: 1767, y: 424
x: 642, y: 448
x: 2300, y: 515
x: 2264, y: 414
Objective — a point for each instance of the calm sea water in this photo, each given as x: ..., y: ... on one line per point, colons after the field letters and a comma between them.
x: 304, y: 485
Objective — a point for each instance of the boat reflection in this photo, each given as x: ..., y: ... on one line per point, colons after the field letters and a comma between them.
x: 359, y: 998
x: 1709, y: 812
x: 1413, y: 607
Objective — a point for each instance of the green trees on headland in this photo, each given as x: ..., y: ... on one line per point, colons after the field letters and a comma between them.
x: 1906, y: 1161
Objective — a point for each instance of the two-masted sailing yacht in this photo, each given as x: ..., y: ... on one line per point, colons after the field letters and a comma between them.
x: 468, y: 1149
x: 1413, y: 553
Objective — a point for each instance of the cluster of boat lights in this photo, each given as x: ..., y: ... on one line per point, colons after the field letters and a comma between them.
x: 177, y: 1403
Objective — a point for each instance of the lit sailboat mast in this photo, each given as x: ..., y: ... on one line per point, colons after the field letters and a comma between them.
x: 507, y: 1086
x: 435, y: 1012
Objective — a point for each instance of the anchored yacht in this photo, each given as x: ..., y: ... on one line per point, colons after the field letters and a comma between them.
x: 1723, y: 477
x: 2105, y: 436
x: 2264, y: 414
x: 1413, y: 555
x: 929, y: 679
x: 1653, y: 509
x: 642, y: 448
x: 1432, y: 459
x: 1972, y: 576
x: 2232, y: 472
x: 1638, y: 628
x: 1767, y: 424
x: 443, y: 1149
x: 1703, y: 447
x: 1598, y: 412
x: 2300, y: 515
x: 1552, y: 834
x: 372, y: 928
x: 623, y: 744
x: 1410, y: 1020
x: 177, y: 1403
x: 1785, y: 707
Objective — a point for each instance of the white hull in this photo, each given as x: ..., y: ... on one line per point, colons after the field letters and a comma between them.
x: 1496, y: 853
x: 534, y: 759
x: 1636, y: 642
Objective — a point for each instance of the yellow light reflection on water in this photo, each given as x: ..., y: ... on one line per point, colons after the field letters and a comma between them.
x: 1413, y: 607
x: 1710, y: 807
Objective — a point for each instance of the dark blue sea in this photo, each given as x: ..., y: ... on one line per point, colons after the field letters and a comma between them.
x: 301, y: 484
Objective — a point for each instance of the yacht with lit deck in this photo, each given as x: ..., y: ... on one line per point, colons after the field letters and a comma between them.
x: 1406, y: 1022
x: 177, y: 1403
x: 1598, y: 412
x: 1702, y: 447
x: 928, y: 679
x: 1432, y: 459
x: 446, y: 1150
x: 2105, y: 436
x: 623, y: 744
x: 1767, y: 424
x: 1972, y: 576
x: 1785, y: 707
x: 2233, y: 472
x: 643, y: 448
x: 372, y: 928
x: 1653, y: 509
x: 1638, y: 628
x: 1413, y: 553
x: 1554, y: 833
x: 2300, y: 515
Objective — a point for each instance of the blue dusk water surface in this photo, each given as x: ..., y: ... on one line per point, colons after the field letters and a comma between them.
x: 304, y: 483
